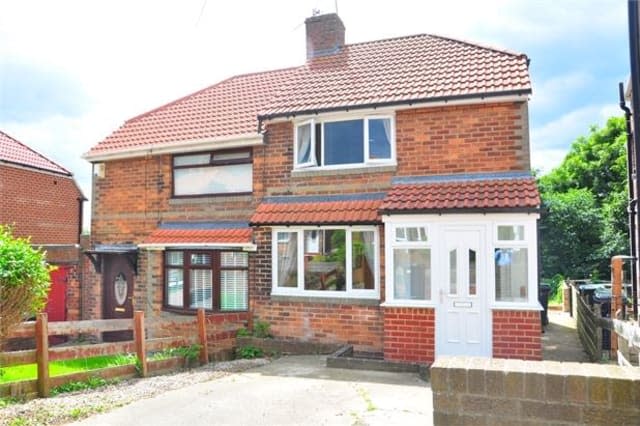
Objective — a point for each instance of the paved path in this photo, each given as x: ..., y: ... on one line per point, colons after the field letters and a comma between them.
x: 296, y: 390
x: 560, y: 341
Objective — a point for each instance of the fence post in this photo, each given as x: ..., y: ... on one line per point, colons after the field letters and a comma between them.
x: 202, y: 335
x: 42, y: 354
x: 141, y: 349
x: 616, y: 299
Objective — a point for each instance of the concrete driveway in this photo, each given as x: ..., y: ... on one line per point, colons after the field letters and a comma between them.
x: 297, y: 390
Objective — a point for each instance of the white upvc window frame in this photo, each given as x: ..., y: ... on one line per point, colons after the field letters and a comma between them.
x: 299, y: 290
x: 530, y: 243
x: 318, y: 164
x: 313, y: 161
x: 391, y: 244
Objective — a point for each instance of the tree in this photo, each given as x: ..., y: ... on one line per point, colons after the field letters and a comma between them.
x: 586, y: 200
x: 24, y: 280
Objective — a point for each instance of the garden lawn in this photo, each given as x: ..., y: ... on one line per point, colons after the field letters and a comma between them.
x: 59, y: 368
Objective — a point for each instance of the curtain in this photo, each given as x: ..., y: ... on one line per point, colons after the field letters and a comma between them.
x: 287, y: 259
x: 304, y: 144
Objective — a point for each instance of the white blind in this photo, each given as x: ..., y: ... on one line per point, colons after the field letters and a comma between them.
x: 234, y: 290
x: 201, y: 288
x: 232, y: 259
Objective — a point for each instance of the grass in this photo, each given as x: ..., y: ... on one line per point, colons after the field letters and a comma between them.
x: 59, y: 368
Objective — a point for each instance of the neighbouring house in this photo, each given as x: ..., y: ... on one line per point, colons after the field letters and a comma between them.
x: 40, y: 199
x: 379, y: 195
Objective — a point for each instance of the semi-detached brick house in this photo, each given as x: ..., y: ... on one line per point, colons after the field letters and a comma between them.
x: 41, y: 200
x: 378, y: 195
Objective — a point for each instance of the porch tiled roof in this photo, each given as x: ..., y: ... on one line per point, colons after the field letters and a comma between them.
x: 13, y: 151
x: 328, y: 210
x: 200, y: 236
x: 463, y: 194
x: 384, y: 72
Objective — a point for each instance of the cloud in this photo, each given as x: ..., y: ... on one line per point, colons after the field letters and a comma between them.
x: 558, y: 134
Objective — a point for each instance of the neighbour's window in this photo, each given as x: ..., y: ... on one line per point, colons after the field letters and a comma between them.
x: 511, y: 261
x: 335, y: 143
x: 411, y: 264
x: 214, y: 280
x: 218, y: 172
x: 325, y: 259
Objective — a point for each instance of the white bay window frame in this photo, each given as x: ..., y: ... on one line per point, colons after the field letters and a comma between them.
x: 318, y: 163
x: 349, y: 292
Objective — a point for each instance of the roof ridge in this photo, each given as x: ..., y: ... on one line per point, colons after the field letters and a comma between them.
x: 38, y: 154
x: 218, y: 83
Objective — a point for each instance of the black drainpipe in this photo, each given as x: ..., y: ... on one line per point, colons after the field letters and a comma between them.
x: 634, y: 56
x: 633, y: 200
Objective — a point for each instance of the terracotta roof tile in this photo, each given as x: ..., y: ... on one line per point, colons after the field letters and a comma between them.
x: 200, y: 236
x: 460, y: 195
x: 329, y: 212
x: 13, y: 151
x: 399, y: 70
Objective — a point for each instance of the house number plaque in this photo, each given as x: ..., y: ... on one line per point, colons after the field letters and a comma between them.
x: 120, y: 288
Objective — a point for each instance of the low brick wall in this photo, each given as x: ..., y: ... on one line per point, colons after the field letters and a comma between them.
x: 470, y: 390
x: 409, y: 334
x: 517, y: 334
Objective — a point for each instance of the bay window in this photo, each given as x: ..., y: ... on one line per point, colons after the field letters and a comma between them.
x: 361, y: 141
x: 213, y: 280
x: 333, y: 261
x: 212, y: 173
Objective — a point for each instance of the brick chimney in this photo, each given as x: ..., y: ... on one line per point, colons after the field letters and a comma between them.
x: 325, y: 35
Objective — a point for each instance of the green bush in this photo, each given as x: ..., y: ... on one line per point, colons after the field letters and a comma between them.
x: 249, y: 352
x: 243, y: 332
x: 262, y: 329
x: 24, y: 280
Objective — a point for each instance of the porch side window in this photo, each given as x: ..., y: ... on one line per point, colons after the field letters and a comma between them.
x: 411, y: 262
x: 212, y: 173
x: 326, y: 261
x: 511, y: 261
x: 213, y: 280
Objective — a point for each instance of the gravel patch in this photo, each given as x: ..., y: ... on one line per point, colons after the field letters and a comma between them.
x: 69, y: 407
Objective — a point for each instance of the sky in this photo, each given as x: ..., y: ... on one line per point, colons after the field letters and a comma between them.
x: 71, y: 72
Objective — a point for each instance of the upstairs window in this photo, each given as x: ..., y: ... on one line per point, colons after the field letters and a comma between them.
x: 362, y: 141
x: 212, y: 173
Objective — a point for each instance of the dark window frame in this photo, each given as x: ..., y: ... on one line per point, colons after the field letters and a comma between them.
x: 216, y: 287
x: 212, y: 163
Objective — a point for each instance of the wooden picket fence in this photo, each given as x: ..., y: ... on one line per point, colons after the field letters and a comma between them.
x: 41, y: 329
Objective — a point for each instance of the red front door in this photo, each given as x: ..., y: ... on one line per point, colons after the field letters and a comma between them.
x: 57, y: 301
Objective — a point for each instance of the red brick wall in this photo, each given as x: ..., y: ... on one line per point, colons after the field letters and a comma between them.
x: 409, y: 334
x: 517, y: 334
x: 41, y: 205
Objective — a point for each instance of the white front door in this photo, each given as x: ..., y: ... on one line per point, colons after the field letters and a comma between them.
x: 462, y: 318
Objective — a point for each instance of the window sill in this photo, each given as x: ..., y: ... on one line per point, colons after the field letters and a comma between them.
x: 330, y: 300
x: 206, y: 199
x: 408, y: 304
x: 180, y: 311
x: 344, y: 170
x: 505, y: 306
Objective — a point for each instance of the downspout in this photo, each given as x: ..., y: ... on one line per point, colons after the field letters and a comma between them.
x: 633, y: 201
x: 634, y: 56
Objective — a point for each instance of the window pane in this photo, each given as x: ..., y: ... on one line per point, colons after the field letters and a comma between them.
x: 174, y: 258
x: 175, y: 287
x: 411, y: 234
x: 325, y: 268
x: 304, y: 144
x: 213, y: 180
x: 227, y: 156
x: 363, y: 260
x: 233, y: 288
x: 511, y: 233
x: 412, y: 274
x: 511, y: 274
x: 379, y: 138
x: 230, y: 259
x: 453, y: 271
x: 191, y: 160
x: 343, y: 142
x: 473, y: 265
x: 287, y: 259
x: 201, y: 288
x: 200, y: 259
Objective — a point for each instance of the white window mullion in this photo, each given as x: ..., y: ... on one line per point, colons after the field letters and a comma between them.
x: 348, y: 262
x: 365, y: 123
x: 300, y: 235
